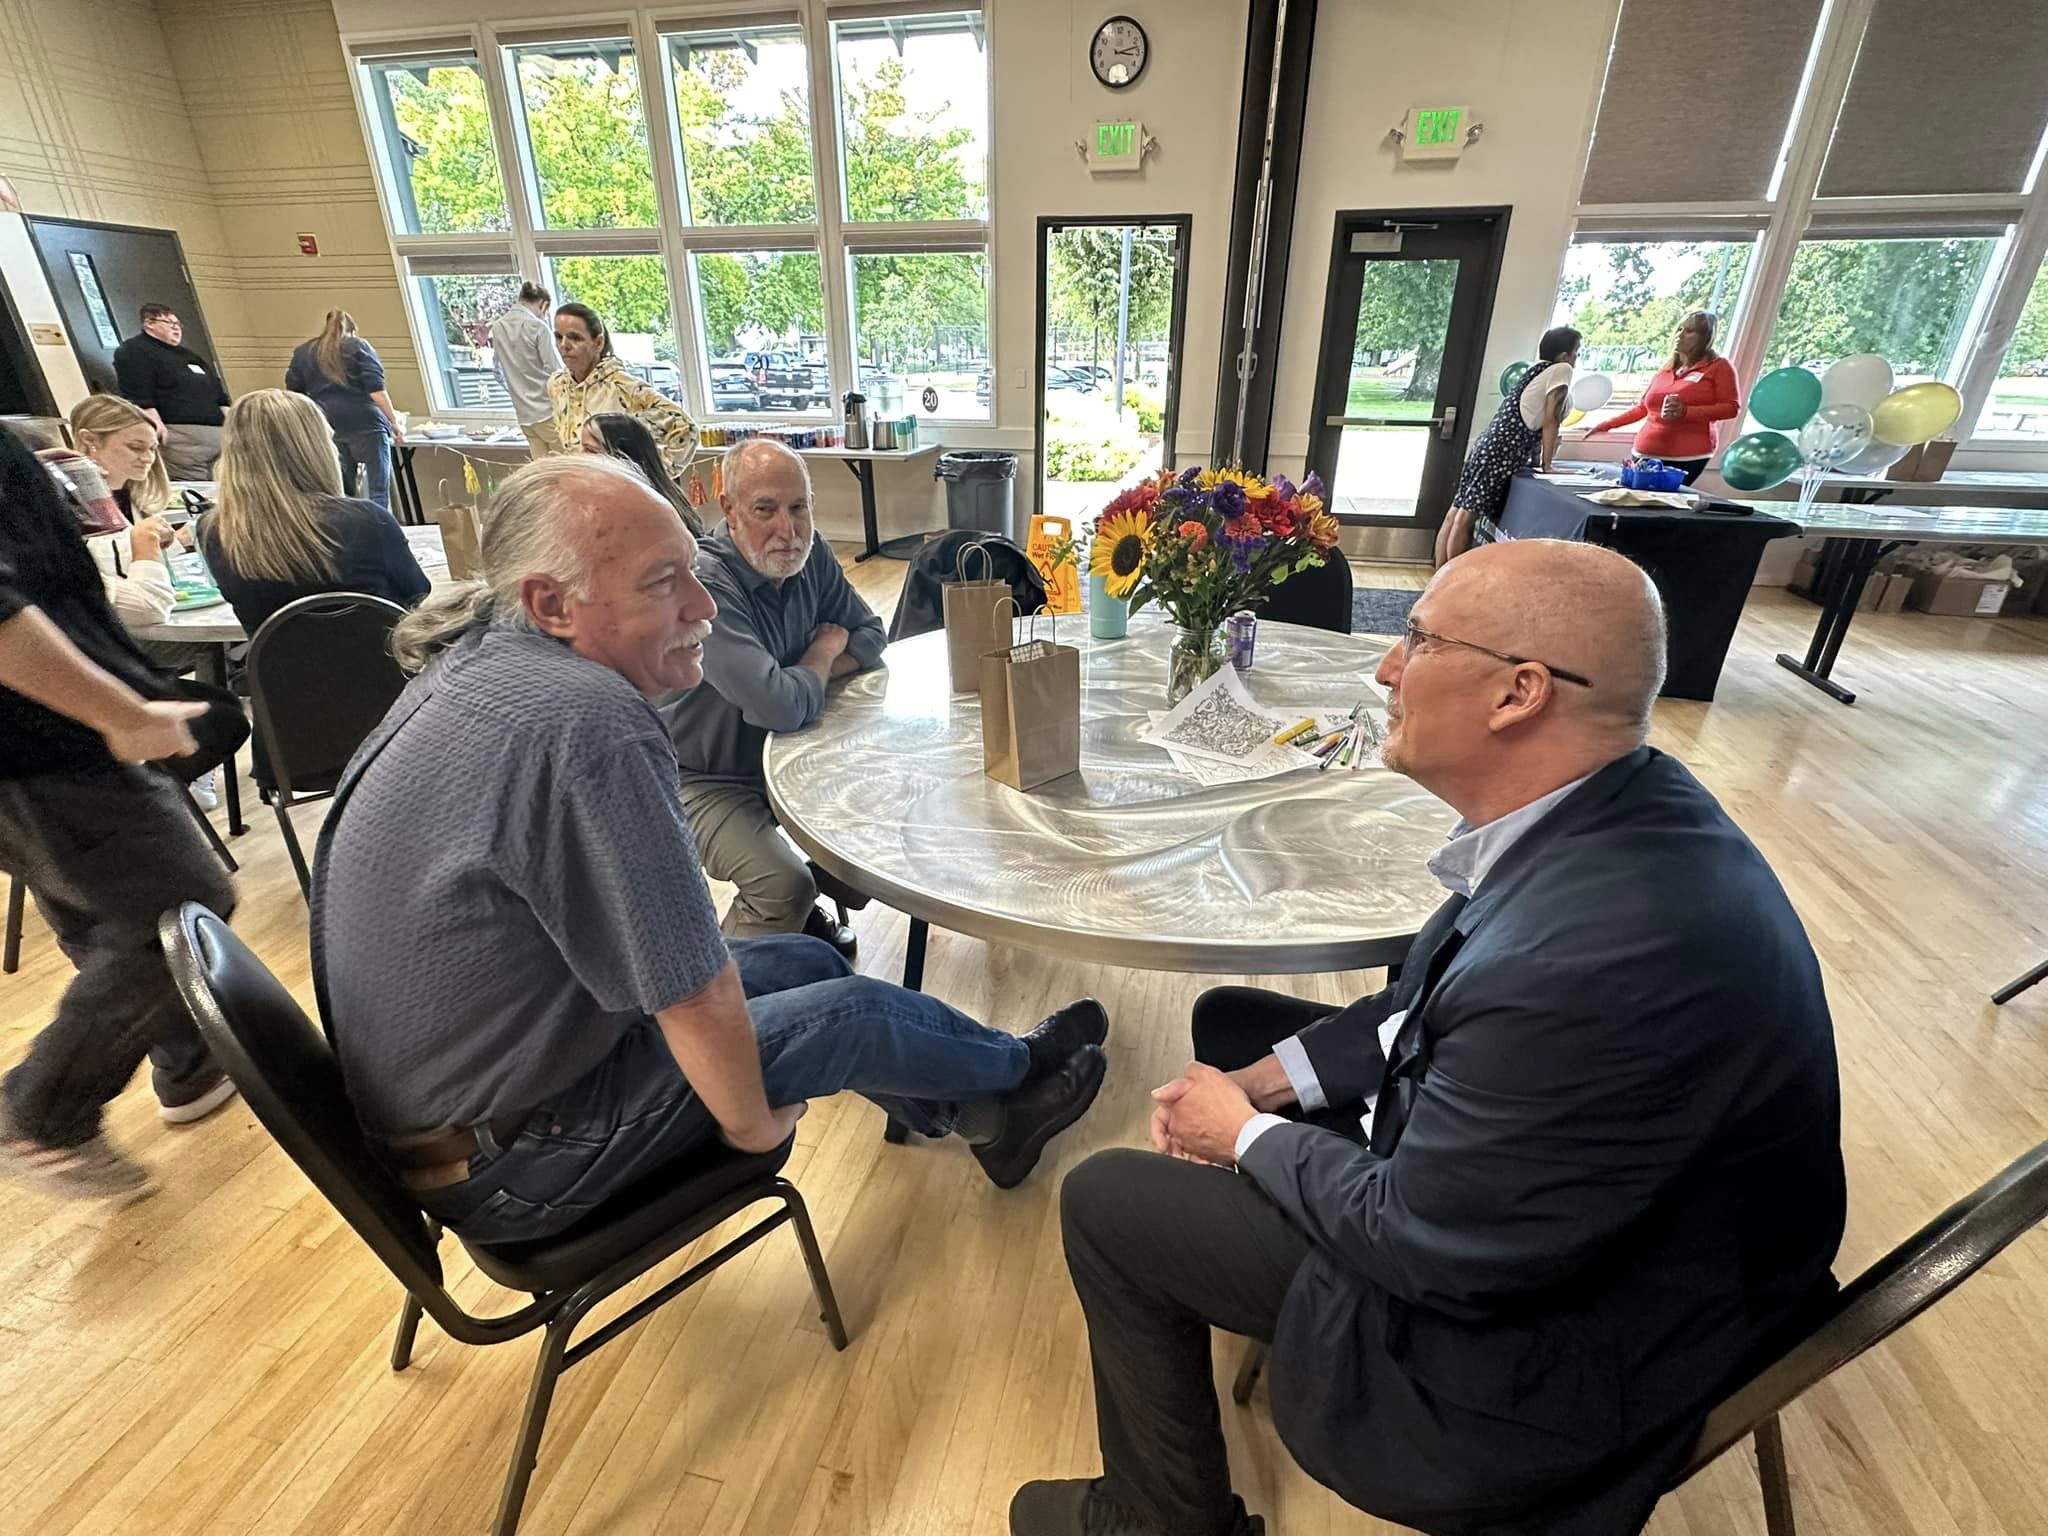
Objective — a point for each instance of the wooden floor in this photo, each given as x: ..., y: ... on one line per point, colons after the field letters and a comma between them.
x: 213, y: 1360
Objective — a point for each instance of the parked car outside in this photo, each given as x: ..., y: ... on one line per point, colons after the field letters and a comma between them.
x: 782, y: 380
x: 731, y: 388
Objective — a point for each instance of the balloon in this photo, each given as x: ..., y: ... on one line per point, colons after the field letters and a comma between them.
x: 1759, y: 461
x: 1861, y: 380
x: 1836, y: 435
x: 1572, y: 418
x: 1915, y: 413
x: 1874, y: 460
x: 1785, y: 398
x: 1511, y: 377
x: 1590, y: 391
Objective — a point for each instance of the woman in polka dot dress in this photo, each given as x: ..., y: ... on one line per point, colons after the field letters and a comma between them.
x: 1522, y: 435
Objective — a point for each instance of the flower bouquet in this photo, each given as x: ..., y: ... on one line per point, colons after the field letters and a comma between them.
x: 1203, y: 544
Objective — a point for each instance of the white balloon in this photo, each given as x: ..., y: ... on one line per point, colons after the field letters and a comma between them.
x: 1861, y: 380
x: 1590, y: 391
x: 1874, y: 460
x: 1835, y: 435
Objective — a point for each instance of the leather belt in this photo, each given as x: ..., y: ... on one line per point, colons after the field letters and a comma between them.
x: 437, y: 1159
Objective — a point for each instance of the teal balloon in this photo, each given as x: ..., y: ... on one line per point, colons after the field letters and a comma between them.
x: 1760, y: 460
x: 1511, y: 377
x: 1785, y: 398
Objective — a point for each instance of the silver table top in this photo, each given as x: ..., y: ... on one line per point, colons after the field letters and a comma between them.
x: 216, y: 624
x: 1925, y: 525
x: 1128, y: 861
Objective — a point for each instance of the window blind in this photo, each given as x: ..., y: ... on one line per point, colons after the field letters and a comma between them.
x: 1697, y: 99
x: 1947, y: 96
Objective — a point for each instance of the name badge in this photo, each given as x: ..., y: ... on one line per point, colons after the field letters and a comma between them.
x: 195, y: 367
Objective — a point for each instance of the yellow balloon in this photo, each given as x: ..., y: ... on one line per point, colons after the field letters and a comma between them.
x: 1915, y: 414
x: 1573, y: 417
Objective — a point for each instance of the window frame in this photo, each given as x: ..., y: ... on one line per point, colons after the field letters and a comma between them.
x: 526, y: 245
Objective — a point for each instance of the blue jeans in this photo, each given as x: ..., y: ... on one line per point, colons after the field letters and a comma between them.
x: 369, y: 453
x: 821, y: 1029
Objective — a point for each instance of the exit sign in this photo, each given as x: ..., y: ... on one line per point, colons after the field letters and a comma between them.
x: 1117, y: 146
x: 1435, y: 133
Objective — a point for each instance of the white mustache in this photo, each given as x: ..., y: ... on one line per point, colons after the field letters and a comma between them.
x: 693, y: 634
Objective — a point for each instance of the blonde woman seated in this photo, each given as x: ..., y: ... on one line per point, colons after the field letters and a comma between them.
x: 115, y: 482
x: 283, y: 529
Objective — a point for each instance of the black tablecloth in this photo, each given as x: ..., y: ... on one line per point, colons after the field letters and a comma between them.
x: 1702, y: 562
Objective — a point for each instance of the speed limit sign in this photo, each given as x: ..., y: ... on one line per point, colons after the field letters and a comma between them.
x: 930, y: 400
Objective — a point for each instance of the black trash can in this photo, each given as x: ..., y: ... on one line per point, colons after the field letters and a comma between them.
x: 981, y: 492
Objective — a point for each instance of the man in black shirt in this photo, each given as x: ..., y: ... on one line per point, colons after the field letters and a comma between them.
x: 101, y: 842
x: 179, y: 390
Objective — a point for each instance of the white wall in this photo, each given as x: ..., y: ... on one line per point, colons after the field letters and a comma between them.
x: 1530, y: 70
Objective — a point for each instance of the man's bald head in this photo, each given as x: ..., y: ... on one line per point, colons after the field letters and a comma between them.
x: 1577, y: 606
x: 766, y: 493
x: 1489, y: 733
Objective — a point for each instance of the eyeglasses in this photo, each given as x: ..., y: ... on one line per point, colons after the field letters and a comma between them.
x: 1417, y: 633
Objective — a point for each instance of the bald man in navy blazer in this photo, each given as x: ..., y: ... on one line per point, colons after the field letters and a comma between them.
x: 1513, y: 1224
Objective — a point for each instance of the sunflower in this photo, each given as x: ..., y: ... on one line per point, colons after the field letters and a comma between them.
x: 1117, y: 553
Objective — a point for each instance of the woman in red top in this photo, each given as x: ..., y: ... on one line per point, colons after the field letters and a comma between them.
x: 1690, y: 393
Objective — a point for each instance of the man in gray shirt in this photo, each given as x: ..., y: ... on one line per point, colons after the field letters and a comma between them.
x: 513, y: 945
x: 788, y: 623
x: 523, y: 346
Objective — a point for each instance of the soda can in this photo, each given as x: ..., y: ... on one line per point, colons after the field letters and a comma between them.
x: 1240, y: 638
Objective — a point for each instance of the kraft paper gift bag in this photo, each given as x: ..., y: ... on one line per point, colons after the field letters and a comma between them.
x: 1031, y: 713
x: 461, y: 536
x: 977, y: 618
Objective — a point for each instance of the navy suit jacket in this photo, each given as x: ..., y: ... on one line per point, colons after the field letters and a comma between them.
x: 1604, y: 1178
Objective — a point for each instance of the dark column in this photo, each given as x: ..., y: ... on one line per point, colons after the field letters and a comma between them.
x: 1290, y: 111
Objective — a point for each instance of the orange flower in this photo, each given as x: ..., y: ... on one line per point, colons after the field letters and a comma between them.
x: 1308, y: 504
x: 1322, y: 529
x: 1195, y: 533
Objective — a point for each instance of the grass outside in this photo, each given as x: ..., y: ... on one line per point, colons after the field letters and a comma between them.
x: 1374, y: 395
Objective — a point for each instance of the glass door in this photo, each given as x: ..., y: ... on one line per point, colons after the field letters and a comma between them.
x: 1112, y: 305
x: 1403, y: 339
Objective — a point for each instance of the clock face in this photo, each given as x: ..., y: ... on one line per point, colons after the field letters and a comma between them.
x: 1119, y: 52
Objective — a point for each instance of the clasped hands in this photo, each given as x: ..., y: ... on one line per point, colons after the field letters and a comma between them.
x: 1200, y: 1114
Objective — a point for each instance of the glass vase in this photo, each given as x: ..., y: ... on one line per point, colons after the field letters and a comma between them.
x: 1195, y: 655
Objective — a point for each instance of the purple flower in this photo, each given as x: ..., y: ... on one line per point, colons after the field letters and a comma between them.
x: 1284, y: 487
x: 1241, y: 552
x: 1189, y: 476
x: 1227, y: 499
x: 1313, y: 486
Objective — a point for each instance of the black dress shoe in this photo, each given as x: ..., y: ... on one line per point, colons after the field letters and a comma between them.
x: 1061, y: 1034
x: 821, y: 925
x: 1075, y: 1506
x: 1036, y: 1112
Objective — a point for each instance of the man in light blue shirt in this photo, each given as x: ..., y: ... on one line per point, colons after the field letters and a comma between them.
x: 523, y: 347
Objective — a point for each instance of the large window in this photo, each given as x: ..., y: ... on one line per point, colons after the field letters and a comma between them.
x: 807, y: 214
x: 1627, y: 296
x: 1906, y: 300
x: 764, y: 312
x: 457, y: 305
x: 586, y: 135
x: 2019, y: 395
x: 913, y: 117
x: 743, y: 114
x: 434, y: 130
x: 920, y: 322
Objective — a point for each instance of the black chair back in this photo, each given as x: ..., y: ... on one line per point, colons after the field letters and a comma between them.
x: 287, y: 1074
x: 1887, y: 1296
x: 321, y: 677
x: 920, y: 608
x: 1319, y: 597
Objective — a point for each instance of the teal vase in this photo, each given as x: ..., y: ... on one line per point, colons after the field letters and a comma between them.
x: 1109, y: 618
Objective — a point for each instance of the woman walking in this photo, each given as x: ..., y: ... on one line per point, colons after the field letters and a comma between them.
x: 593, y: 381
x: 345, y: 378
x: 1522, y: 435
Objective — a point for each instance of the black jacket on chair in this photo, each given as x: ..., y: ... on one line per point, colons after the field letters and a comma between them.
x: 921, y: 607
x: 1604, y: 1175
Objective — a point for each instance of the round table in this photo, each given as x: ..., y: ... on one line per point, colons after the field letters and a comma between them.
x: 1129, y: 861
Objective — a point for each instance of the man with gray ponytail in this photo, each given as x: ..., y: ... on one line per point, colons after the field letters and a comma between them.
x: 513, y: 942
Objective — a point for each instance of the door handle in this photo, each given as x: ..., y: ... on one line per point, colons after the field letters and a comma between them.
x: 1447, y: 424
x: 1441, y: 423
